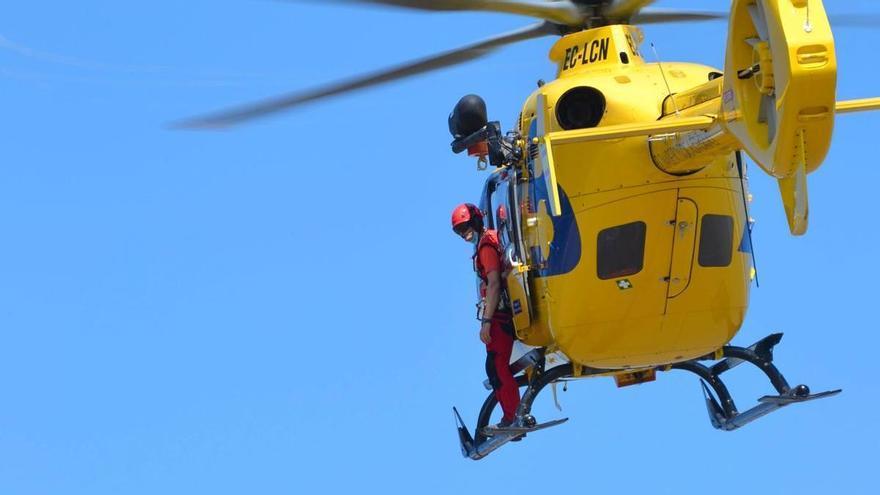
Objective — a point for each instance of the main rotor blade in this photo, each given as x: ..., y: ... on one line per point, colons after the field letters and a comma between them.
x: 624, y: 9
x: 562, y: 11
x: 656, y: 16
x: 453, y: 57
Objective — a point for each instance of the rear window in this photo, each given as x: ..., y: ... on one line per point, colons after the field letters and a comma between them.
x: 716, y: 240
x: 621, y: 250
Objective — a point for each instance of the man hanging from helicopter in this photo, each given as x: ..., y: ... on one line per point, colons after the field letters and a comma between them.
x: 661, y: 298
x: 496, y: 327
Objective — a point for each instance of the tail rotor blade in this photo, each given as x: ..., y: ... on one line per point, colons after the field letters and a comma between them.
x: 759, y: 20
x: 286, y: 102
x: 772, y: 116
x: 767, y: 114
x: 764, y: 110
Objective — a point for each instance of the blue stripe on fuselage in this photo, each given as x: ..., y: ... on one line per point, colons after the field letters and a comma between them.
x: 565, y: 248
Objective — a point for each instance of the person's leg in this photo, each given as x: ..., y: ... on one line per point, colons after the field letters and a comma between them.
x: 504, y: 384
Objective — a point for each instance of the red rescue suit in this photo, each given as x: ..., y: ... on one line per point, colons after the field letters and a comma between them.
x: 501, y: 332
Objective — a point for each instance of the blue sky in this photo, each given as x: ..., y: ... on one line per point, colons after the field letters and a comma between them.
x: 282, y: 308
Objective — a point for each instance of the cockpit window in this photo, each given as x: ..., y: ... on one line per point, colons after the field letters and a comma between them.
x: 621, y: 250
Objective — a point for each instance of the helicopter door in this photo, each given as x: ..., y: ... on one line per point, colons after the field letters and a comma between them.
x: 683, y: 247
x: 517, y: 277
x: 506, y: 222
x: 626, y: 280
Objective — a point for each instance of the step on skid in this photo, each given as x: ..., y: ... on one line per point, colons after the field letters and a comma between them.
x: 491, y: 437
x: 491, y: 431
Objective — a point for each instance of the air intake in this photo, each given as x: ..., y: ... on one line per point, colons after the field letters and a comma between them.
x: 580, y: 108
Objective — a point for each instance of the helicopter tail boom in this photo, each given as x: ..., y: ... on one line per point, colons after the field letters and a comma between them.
x: 660, y: 127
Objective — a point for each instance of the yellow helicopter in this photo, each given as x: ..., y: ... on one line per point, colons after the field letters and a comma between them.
x: 621, y: 196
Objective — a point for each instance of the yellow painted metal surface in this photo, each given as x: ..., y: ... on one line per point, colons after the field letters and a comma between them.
x: 634, y: 129
x: 663, y: 158
x: 517, y: 289
x: 798, y: 77
x: 684, y: 246
x: 794, y: 191
x: 609, y: 178
x: 605, y: 47
x: 861, y: 105
x: 545, y: 160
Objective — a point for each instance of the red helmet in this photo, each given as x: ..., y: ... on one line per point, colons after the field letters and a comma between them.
x: 467, y: 215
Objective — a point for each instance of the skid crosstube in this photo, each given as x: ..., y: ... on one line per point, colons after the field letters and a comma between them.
x: 722, y: 410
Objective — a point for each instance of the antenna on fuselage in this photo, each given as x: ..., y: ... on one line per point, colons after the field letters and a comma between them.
x: 668, y: 89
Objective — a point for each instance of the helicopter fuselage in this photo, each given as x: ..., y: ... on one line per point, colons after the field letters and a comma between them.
x: 642, y: 265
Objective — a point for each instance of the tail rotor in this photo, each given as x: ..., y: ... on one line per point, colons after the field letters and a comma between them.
x: 779, y: 92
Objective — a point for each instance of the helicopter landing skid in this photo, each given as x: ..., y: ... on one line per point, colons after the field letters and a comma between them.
x: 487, y: 439
x: 722, y: 410
x: 491, y: 438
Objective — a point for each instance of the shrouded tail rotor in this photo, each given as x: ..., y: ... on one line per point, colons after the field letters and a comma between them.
x: 779, y: 92
x: 762, y: 70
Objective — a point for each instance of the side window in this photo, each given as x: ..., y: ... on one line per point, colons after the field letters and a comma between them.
x: 486, y: 201
x: 501, y: 213
x: 716, y: 240
x: 621, y: 250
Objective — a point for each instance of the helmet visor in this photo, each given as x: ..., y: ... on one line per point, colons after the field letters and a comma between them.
x: 462, y: 229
